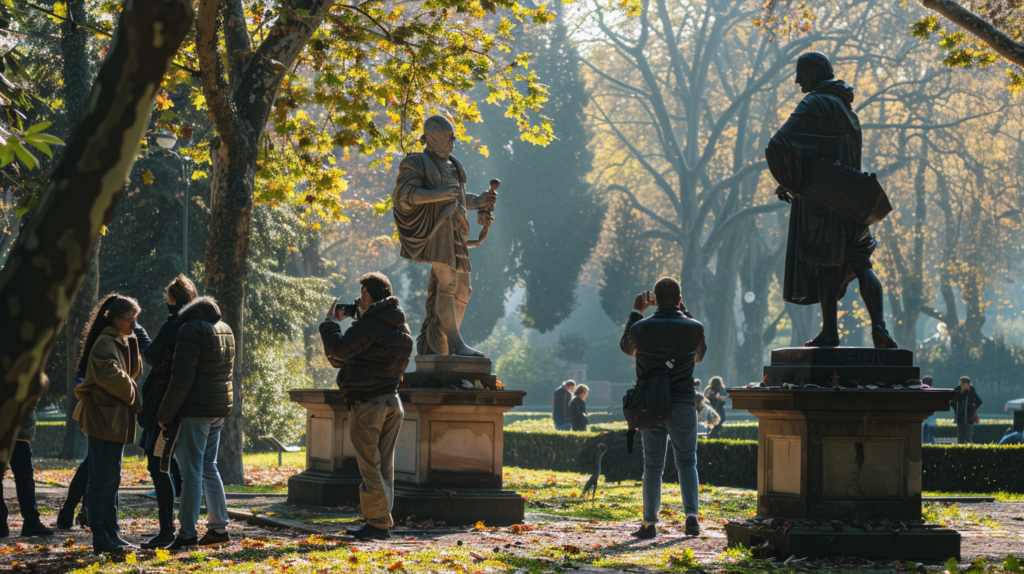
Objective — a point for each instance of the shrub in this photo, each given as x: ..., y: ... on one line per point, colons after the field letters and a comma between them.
x: 551, y: 450
x: 973, y: 468
x: 571, y: 346
x: 984, y: 432
x: 721, y: 462
x: 528, y: 367
x: 268, y: 410
x: 994, y: 368
x: 49, y: 438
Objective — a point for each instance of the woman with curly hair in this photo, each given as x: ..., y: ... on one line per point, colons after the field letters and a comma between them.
x: 108, y: 402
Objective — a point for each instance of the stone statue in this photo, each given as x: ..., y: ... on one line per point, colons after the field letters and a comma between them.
x: 827, y: 248
x: 430, y: 203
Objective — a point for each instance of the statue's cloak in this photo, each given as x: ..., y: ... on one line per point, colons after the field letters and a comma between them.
x: 825, y: 126
x: 431, y: 232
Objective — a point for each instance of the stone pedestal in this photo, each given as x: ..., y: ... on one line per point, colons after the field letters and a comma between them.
x: 450, y: 371
x: 841, y: 453
x: 448, y: 460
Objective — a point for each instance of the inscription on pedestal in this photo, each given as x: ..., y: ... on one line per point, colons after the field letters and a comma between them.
x: 784, y: 465
x: 462, y: 447
x: 864, y: 469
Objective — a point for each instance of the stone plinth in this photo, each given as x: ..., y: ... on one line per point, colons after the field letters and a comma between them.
x: 449, y: 372
x: 847, y: 453
x: 849, y: 367
x: 448, y: 460
x: 830, y: 454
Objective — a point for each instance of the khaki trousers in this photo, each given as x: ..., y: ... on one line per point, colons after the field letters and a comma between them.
x: 374, y: 428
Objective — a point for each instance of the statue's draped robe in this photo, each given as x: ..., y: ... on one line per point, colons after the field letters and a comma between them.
x: 823, y: 125
x: 435, y: 233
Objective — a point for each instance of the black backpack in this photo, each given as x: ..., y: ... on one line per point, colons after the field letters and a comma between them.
x: 647, y: 403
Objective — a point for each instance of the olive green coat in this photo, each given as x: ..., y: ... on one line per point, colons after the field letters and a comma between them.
x: 108, y: 397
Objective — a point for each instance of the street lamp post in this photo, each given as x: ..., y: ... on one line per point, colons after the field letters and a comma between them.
x: 167, y: 140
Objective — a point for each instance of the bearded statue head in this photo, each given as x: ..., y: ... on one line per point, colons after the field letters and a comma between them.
x: 438, y: 136
x: 812, y: 68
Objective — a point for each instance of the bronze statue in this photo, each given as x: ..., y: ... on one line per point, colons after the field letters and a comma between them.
x: 430, y: 204
x: 816, y: 159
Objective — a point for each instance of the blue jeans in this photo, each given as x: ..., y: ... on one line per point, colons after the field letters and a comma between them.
x: 196, y: 453
x: 101, y: 492
x: 563, y: 426
x: 681, y: 426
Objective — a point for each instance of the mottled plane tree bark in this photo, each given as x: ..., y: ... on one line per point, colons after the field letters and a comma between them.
x: 47, y: 265
x: 240, y: 105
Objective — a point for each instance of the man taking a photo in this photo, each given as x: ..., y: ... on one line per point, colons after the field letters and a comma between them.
x: 669, y: 336
x: 372, y: 355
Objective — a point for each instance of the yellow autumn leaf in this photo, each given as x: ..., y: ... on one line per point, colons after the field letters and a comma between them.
x: 147, y: 177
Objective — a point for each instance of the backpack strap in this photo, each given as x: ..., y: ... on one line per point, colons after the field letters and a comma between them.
x: 629, y: 440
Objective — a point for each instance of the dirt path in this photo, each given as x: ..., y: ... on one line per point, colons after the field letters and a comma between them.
x: 589, y: 546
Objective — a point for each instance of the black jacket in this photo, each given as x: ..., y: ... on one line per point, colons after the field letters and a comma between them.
x: 160, y: 351
x: 965, y: 405
x: 578, y: 414
x: 373, y: 353
x: 560, y: 405
x: 667, y: 334
x: 160, y: 355
x: 204, y: 354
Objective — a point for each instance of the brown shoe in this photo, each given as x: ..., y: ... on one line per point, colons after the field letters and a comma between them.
x: 645, y: 532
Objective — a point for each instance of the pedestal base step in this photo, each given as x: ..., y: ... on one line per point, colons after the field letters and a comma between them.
x: 918, y: 543
x: 455, y: 507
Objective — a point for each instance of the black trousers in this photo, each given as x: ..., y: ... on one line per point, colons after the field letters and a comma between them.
x: 162, y: 481
x: 24, y: 483
x: 101, y: 493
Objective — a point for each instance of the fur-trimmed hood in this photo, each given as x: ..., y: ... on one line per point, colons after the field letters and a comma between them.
x: 204, y: 308
x: 387, y: 310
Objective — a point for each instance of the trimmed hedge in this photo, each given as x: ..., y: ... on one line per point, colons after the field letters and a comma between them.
x: 984, y: 432
x: 49, y: 438
x: 973, y: 468
x: 592, y: 418
x: 721, y: 462
x: 553, y: 450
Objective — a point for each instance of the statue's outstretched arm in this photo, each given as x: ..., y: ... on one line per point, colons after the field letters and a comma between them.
x: 444, y: 193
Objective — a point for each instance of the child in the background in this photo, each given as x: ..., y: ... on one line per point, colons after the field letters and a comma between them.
x: 578, y: 408
x: 705, y: 414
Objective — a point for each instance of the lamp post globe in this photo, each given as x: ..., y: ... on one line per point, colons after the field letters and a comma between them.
x: 166, y: 139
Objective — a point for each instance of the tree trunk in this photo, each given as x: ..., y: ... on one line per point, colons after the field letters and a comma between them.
x: 239, y: 110
x: 47, y: 265
x: 77, y: 75
x: 226, y: 251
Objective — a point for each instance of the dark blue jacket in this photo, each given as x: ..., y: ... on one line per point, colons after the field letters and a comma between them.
x: 667, y: 334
